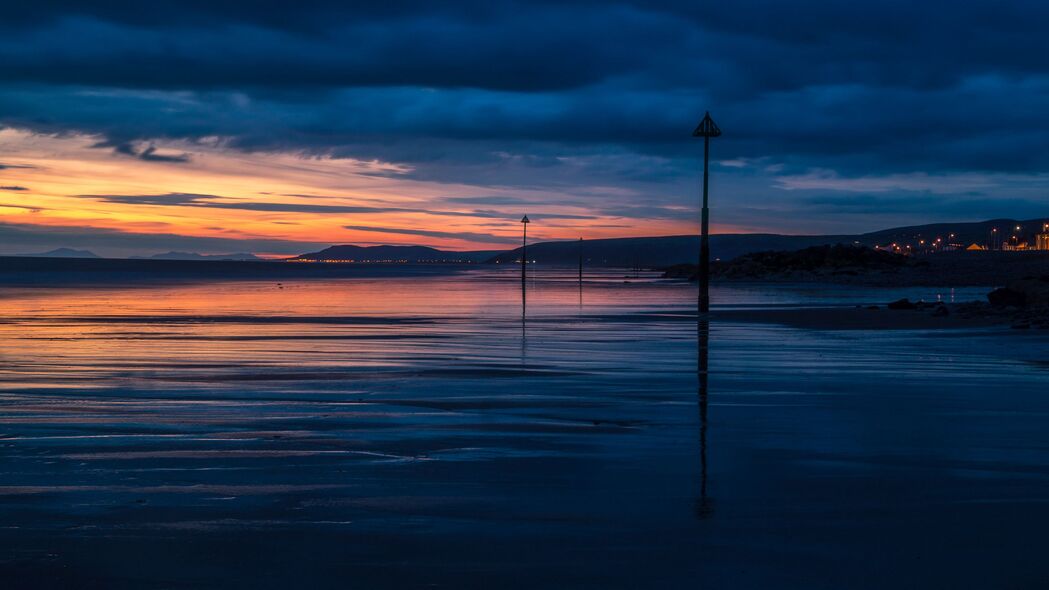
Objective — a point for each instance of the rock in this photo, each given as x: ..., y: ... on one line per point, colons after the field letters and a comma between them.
x: 1007, y: 297
x: 902, y: 304
x: 941, y: 311
x: 1021, y: 326
x: 682, y: 271
x: 1035, y: 291
x: 843, y: 262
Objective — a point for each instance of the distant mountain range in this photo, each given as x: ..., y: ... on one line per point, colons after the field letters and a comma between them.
x: 420, y: 254
x: 71, y: 253
x: 61, y: 253
x: 195, y: 256
x: 670, y: 250
x: 630, y: 252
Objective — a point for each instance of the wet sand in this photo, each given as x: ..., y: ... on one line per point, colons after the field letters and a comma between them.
x: 851, y: 318
x: 418, y: 432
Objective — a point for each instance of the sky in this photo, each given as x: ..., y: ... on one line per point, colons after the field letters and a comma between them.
x: 278, y: 128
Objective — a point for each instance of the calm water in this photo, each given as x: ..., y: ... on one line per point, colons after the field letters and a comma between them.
x: 415, y: 432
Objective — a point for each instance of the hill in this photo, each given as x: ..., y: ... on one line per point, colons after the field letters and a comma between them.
x: 671, y: 250
x: 978, y: 232
x: 812, y: 262
x: 195, y: 256
x: 393, y: 254
x: 659, y: 251
x: 61, y: 253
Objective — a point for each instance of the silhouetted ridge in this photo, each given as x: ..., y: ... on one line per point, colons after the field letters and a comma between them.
x: 661, y: 252
x: 657, y: 252
x: 62, y: 253
x: 392, y: 254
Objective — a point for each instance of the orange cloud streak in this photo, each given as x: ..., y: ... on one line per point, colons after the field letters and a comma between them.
x: 59, y: 171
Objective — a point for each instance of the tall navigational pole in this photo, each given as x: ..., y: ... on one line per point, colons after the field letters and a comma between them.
x: 524, y: 246
x: 706, y: 129
x: 524, y: 261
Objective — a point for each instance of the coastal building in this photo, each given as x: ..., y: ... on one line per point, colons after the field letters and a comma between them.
x: 1016, y: 244
x: 1041, y: 241
x: 974, y: 246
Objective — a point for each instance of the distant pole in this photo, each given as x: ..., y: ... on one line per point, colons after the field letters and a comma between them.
x: 524, y: 246
x: 706, y: 129
x: 580, y: 261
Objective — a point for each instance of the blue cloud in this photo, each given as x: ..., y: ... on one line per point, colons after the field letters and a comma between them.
x: 562, y: 96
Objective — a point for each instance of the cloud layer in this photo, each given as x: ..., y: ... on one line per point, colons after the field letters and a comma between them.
x: 822, y: 102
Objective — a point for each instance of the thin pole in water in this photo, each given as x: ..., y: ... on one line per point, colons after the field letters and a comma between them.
x: 524, y: 246
x: 704, y: 240
x: 706, y: 129
x: 580, y: 274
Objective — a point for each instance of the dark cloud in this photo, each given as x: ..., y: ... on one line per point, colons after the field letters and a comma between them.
x: 170, y: 199
x: 516, y: 215
x: 468, y: 236
x: 16, y: 238
x: 13, y: 188
x: 416, y: 47
x: 901, y: 80
x: 547, y: 94
x: 948, y: 207
x: 488, y: 200
x: 648, y: 212
x: 217, y: 202
x: 148, y: 154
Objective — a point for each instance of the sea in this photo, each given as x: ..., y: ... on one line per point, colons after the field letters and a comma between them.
x: 463, y: 428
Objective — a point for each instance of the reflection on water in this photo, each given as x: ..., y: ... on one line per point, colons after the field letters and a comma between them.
x: 397, y: 432
x: 704, y: 509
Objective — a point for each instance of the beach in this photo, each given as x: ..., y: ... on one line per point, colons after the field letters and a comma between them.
x: 430, y: 428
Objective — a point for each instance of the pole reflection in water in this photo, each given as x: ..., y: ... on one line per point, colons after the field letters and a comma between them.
x: 524, y: 302
x: 524, y: 315
x: 580, y: 292
x: 580, y: 274
x: 704, y: 505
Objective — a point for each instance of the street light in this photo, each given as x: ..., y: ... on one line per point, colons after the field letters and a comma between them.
x: 706, y: 129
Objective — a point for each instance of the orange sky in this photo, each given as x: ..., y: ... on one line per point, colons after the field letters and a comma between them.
x: 67, y: 183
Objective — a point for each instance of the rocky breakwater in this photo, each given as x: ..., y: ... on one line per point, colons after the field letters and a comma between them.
x: 839, y: 263
x: 1023, y: 304
x: 1026, y: 301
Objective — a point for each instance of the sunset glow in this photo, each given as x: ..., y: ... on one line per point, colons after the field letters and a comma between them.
x: 282, y: 201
